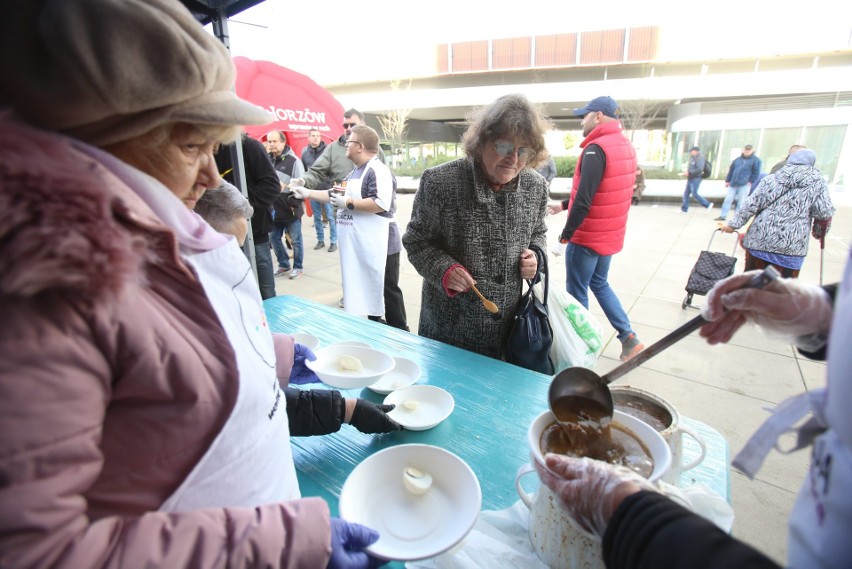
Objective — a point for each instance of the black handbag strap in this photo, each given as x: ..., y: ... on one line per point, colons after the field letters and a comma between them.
x: 541, y: 272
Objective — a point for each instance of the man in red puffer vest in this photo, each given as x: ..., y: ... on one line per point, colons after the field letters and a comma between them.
x: 597, y: 214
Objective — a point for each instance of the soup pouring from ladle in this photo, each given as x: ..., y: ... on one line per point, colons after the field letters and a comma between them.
x: 581, y: 388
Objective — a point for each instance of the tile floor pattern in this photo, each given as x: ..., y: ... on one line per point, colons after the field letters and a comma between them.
x: 728, y: 387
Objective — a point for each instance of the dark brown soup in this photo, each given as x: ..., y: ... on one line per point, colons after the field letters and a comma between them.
x: 646, y: 411
x: 621, y: 447
x: 644, y: 415
x: 585, y: 429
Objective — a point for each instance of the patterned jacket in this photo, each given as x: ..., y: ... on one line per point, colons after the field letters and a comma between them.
x: 784, y: 206
x: 458, y: 218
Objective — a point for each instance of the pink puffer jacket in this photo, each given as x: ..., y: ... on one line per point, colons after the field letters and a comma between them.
x: 115, y: 376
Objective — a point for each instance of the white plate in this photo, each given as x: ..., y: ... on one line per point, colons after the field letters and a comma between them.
x: 309, y: 340
x: 374, y: 364
x: 433, y: 405
x: 406, y: 372
x: 412, y: 526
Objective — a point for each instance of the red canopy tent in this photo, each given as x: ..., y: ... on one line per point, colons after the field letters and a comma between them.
x: 296, y: 101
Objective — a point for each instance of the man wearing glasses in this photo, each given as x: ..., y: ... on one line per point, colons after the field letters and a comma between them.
x: 369, y: 237
x: 333, y: 166
x: 597, y: 214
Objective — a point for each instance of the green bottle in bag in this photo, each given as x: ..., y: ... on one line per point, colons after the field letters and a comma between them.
x: 580, y: 321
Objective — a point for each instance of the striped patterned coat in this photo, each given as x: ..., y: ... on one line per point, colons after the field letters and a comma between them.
x: 458, y: 218
x: 784, y: 206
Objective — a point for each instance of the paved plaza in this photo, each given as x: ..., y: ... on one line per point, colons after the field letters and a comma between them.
x: 729, y: 387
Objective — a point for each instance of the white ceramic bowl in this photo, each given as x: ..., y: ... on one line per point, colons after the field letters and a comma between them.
x: 406, y: 372
x: 657, y: 447
x: 412, y: 526
x: 374, y: 364
x: 309, y: 340
x: 420, y: 407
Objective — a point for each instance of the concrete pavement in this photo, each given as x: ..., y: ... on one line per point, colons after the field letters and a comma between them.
x: 728, y: 387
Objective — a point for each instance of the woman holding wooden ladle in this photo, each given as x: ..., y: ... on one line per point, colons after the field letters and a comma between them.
x: 472, y: 224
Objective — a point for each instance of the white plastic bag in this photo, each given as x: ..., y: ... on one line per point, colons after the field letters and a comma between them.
x: 577, y: 335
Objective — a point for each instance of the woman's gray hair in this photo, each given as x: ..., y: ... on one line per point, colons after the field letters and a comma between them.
x: 511, y: 116
x: 222, y: 206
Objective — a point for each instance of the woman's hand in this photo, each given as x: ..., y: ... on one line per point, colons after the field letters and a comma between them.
x: 528, y: 263
x: 369, y: 417
x: 459, y: 279
x: 787, y: 307
x: 300, y: 372
x: 554, y: 208
x: 590, y: 490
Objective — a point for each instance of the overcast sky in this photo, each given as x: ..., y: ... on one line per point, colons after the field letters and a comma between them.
x: 343, y: 41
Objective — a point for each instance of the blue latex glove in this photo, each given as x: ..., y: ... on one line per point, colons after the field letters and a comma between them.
x: 300, y: 373
x: 347, y: 544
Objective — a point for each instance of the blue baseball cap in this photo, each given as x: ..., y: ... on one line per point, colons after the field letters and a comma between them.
x: 605, y: 105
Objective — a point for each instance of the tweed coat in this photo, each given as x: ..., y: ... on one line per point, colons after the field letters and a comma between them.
x: 458, y: 218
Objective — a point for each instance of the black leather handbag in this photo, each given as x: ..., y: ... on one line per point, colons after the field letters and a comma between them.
x: 530, y: 337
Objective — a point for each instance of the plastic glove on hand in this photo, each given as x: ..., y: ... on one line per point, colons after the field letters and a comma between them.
x: 590, y: 490
x: 299, y: 192
x: 347, y: 546
x: 300, y: 373
x: 337, y: 200
x: 371, y: 418
x: 785, y: 307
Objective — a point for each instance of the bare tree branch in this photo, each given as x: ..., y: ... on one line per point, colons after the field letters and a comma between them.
x: 638, y: 114
x: 394, y: 122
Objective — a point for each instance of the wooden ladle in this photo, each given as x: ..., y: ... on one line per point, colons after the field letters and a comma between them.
x: 489, y: 306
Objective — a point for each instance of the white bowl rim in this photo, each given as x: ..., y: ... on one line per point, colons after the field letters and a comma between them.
x: 353, y: 380
x: 652, y: 439
x: 425, y: 448
x: 358, y: 343
x: 379, y: 386
x: 310, y: 337
x: 441, y: 396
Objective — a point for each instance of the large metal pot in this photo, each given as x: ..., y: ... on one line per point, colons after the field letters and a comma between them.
x: 665, y: 419
x: 555, y: 538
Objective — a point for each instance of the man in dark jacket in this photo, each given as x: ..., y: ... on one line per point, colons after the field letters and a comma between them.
x: 783, y: 162
x: 263, y: 188
x: 287, y: 211
x: 314, y: 149
x: 741, y: 176
x: 694, y: 170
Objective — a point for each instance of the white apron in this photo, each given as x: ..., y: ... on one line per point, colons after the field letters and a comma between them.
x: 821, y: 520
x: 363, y: 239
x: 250, y: 462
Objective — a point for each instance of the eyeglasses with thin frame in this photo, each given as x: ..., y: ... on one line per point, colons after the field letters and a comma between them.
x: 348, y: 142
x: 505, y: 149
x: 349, y: 124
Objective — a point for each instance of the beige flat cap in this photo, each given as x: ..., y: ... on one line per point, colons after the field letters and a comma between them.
x: 109, y: 70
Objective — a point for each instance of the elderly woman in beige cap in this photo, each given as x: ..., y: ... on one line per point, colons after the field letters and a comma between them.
x: 142, y: 422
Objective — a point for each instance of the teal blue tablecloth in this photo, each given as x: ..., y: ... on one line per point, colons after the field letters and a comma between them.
x: 495, y: 402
